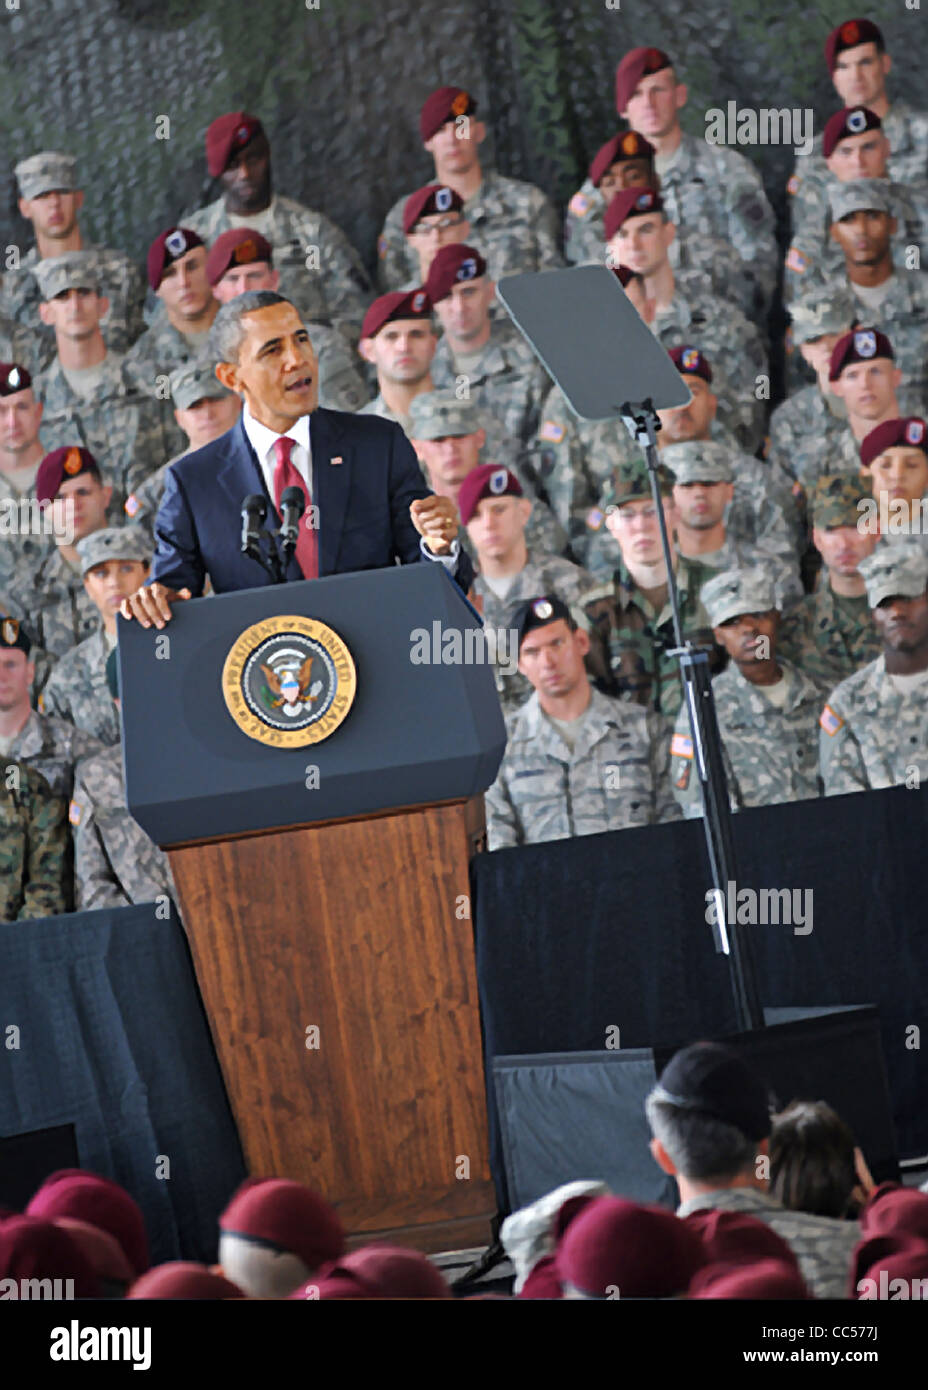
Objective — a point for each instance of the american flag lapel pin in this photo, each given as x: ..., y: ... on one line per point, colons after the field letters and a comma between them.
x: 335, y: 460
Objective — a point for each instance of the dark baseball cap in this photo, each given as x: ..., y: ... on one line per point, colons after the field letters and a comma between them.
x: 712, y: 1080
x: 541, y: 612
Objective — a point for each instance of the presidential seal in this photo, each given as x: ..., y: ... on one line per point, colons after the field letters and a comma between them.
x: 289, y: 681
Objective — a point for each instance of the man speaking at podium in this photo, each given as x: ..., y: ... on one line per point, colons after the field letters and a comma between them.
x: 366, y: 503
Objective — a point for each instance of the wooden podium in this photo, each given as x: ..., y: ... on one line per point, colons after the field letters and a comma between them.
x: 334, y: 952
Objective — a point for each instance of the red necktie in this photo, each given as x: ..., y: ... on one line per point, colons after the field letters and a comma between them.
x: 286, y: 475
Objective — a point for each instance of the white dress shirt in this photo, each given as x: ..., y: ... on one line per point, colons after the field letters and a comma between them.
x: 262, y: 440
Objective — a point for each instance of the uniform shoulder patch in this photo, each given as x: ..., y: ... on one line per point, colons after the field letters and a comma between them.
x: 579, y: 205
x: 681, y: 746
x: 382, y: 246
x: 830, y: 721
x: 74, y: 813
x: 796, y: 260
x: 683, y: 780
x: 131, y: 504
x: 552, y: 432
x: 793, y: 184
x: 594, y: 518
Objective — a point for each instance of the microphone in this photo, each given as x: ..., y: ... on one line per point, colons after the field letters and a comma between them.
x: 292, y: 507
x: 254, y: 512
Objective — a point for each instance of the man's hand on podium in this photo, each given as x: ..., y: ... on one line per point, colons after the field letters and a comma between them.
x: 436, y: 520
x: 152, y: 604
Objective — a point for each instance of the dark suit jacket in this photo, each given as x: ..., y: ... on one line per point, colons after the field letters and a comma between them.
x: 363, y: 502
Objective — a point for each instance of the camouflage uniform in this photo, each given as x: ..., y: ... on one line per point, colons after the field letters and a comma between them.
x: 123, y: 429
x: 142, y: 505
x: 115, y: 863
x: 53, y: 599
x: 770, y: 753
x: 512, y: 224
x: 541, y: 574
x: 907, y: 133
x: 77, y: 690
x: 814, y: 257
x: 33, y: 848
x: 808, y: 440
x: 902, y: 316
x: 119, y: 279
x: 337, y: 293
x: 823, y: 1245
x: 341, y: 384
x: 31, y: 349
x: 508, y: 382
x: 161, y: 350
x: 21, y: 552
x: 51, y: 747
x: 712, y: 257
x: 616, y: 776
x: 873, y: 736
x: 639, y: 640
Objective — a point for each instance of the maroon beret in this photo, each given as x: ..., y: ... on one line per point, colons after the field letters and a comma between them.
x: 443, y: 105
x: 389, y: 1271
x: 848, y: 35
x: 434, y: 197
x: 13, y: 378
x: 399, y: 304
x: 287, y: 1215
x: 900, y: 1256
x: 453, y: 265
x: 630, y: 202
x: 486, y: 480
x: 168, y: 248
x: 853, y: 120
x: 627, y: 145
x: 891, y: 1208
x: 637, y: 63
x: 103, y: 1251
x: 332, y: 1283
x: 859, y: 345
x: 98, y: 1201
x: 238, y: 246
x: 183, y: 1279
x: 689, y: 361
x: 731, y: 1237
x: 644, y: 1251
x: 763, y: 1279
x: 226, y: 136
x: 907, y: 432
x: 54, y: 468
x: 32, y: 1248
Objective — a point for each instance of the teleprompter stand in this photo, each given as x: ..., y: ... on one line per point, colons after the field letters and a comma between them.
x: 589, y: 336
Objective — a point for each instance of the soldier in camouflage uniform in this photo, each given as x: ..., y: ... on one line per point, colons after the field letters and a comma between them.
x: 631, y: 614
x: 204, y: 410
x: 870, y: 289
x: 49, y: 746
x: 679, y: 309
x: 242, y: 260
x: 703, y: 499
x: 830, y: 635
x: 627, y: 161
x: 803, y: 426
x: 320, y: 271
x: 894, y: 459
x: 708, y: 189
x: 50, y: 198
x: 874, y: 728
x: 398, y: 340
x: 433, y: 217
x: 115, y: 863
x: 858, y: 63
x: 767, y: 710
x: 488, y: 361
x: 34, y: 869
x: 114, y: 563
x: 52, y: 597
x: 87, y: 394
x: 449, y: 437
x: 855, y: 148
x: 512, y: 222
x: 31, y: 349
x: 576, y: 761
x: 495, y: 513
x: 25, y: 542
x: 179, y: 333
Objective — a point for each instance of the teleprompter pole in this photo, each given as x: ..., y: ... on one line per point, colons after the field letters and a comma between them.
x: 642, y: 424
